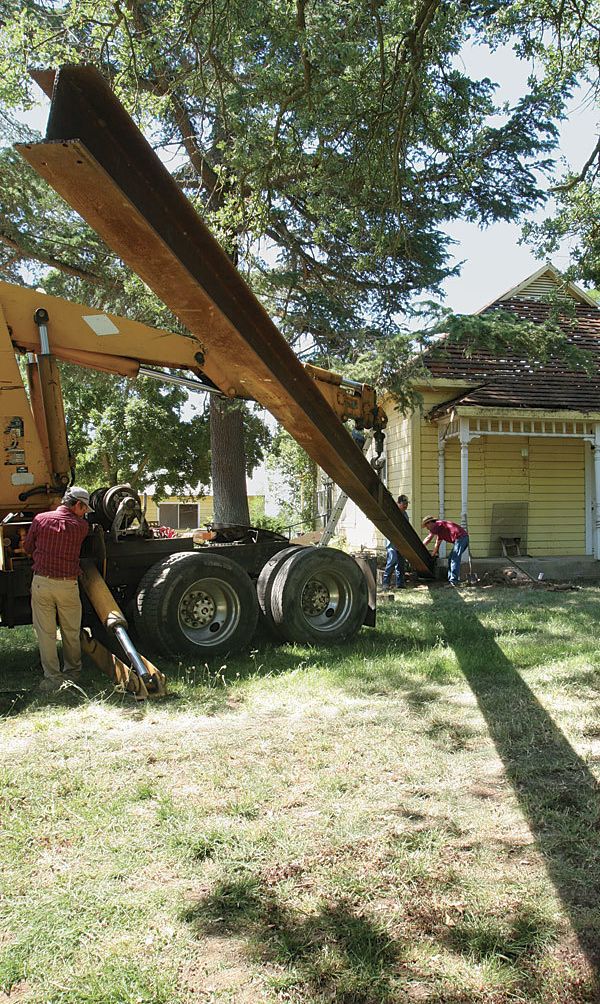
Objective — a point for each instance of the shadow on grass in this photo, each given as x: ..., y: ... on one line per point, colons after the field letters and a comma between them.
x: 557, y: 793
x: 336, y: 953
x: 359, y: 661
x: 20, y: 672
x: 523, y: 937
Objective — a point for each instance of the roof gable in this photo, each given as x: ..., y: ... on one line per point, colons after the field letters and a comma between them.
x: 542, y: 286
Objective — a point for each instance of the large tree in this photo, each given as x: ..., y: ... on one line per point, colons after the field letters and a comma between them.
x: 118, y: 431
x: 327, y: 143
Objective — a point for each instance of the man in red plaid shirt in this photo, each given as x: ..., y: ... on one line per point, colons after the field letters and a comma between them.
x: 54, y: 542
x: 454, y: 534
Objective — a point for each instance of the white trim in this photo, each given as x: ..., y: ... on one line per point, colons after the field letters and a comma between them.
x: 487, y: 411
x: 590, y: 500
x: 534, y: 427
x: 442, y: 482
x: 465, y: 438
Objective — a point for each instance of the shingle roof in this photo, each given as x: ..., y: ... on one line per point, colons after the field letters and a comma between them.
x: 511, y: 381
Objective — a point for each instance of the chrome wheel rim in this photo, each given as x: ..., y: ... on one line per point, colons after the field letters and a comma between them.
x: 326, y: 601
x: 209, y: 612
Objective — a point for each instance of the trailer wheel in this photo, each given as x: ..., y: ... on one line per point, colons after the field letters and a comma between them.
x: 319, y: 595
x: 264, y: 586
x: 196, y: 604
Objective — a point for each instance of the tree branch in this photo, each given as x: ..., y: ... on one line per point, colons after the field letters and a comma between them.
x: 27, y: 255
x: 569, y: 185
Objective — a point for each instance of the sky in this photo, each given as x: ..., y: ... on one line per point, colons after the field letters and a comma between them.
x: 494, y: 261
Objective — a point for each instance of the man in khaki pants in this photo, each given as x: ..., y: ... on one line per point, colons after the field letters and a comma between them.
x: 54, y: 542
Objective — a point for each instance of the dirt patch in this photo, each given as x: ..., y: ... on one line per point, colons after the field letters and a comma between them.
x: 517, y: 578
x: 17, y: 994
x: 219, y: 969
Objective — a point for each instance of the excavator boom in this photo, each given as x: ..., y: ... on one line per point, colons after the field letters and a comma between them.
x: 97, y: 159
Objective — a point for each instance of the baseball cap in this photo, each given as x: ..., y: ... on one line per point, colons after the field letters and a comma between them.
x: 76, y: 494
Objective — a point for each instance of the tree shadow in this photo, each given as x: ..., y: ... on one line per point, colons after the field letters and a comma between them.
x: 556, y: 791
x: 335, y: 952
x: 21, y: 674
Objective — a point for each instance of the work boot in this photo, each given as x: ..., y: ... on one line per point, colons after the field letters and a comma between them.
x: 74, y: 676
x: 50, y: 684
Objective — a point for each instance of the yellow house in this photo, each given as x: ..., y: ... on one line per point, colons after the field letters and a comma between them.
x: 510, y: 451
x: 189, y: 512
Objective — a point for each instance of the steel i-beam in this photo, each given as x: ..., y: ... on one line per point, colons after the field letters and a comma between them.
x: 96, y: 158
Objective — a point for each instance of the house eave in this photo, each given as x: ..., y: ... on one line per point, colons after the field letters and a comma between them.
x: 466, y: 411
x: 438, y: 383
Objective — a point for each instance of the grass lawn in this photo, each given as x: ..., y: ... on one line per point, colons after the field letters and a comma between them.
x: 412, y: 816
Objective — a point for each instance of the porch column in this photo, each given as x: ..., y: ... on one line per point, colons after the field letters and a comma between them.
x: 442, y: 478
x: 464, y: 471
x: 597, y: 483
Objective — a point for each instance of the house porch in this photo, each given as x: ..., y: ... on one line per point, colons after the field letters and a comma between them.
x: 525, y: 475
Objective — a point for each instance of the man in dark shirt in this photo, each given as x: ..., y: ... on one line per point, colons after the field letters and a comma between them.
x: 395, y: 563
x: 454, y: 534
x: 54, y: 542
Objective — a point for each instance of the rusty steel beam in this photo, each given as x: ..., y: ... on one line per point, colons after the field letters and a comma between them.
x: 97, y: 159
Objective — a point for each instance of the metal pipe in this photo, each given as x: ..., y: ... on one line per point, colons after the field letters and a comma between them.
x: 191, y: 384
x: 52, y: 399
x: 132, y: 654
x: 110, y: 615
x: 36, y: 400
x: 41, y: 319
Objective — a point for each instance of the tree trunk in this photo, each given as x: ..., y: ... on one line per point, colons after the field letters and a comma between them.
x: 228, y: 463
x: 308, y: 495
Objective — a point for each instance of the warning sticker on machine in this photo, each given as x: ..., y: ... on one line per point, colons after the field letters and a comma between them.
x: 13, y: 430
x: 100, y: 324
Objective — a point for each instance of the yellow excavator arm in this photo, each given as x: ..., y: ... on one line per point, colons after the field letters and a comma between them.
x: 36, y: 463
x: 35, y: 450
x: 98, y: 161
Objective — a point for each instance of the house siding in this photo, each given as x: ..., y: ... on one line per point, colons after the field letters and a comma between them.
x: 356, y: 529
x: 205, y: 505
x: 557, y: 497
x: 399, y: 462
x: 398, y: 456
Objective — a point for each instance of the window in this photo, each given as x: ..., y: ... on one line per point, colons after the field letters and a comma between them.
x: 178, y: 515
x: 188, y: 516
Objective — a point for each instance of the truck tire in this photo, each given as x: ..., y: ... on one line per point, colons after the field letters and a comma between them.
x: 319, y: 595
x: 264, y: 586
x: 196, y: 604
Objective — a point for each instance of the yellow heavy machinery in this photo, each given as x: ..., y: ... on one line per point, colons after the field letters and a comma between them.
x: 183, y: 599
x: 219, y: 611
